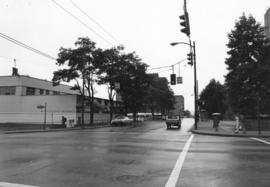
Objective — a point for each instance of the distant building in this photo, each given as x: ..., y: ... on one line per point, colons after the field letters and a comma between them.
x: 267, y: 23
x: 20, y: 95
x: 179, y: 105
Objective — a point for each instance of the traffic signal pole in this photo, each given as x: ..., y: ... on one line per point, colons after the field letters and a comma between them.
x: 192, y: 58
x: 193, y: 52
x: 196, y: 114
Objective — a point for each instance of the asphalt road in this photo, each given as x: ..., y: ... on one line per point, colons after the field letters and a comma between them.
x: 142, y: 155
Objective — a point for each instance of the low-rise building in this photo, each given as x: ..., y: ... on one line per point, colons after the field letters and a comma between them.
x: 21, y: 95
x: 179, y: 105
x: 267, y: 22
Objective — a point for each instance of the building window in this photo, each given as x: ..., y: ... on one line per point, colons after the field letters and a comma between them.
x: 47, y: 92
x: 56, y: 93
x: 106, y: 102
x: 30, y: 91
x: 41, y: 91
x: 7, y: 90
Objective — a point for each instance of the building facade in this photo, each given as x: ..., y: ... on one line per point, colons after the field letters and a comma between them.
x: 267, y: 23
x: 179, y: 105
x: 20, y: 97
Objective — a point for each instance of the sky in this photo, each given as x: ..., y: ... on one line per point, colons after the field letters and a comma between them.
x: 144, y: 26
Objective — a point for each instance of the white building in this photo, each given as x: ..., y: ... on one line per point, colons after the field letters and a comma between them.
x: 20, y: 95
x: 267, y: 22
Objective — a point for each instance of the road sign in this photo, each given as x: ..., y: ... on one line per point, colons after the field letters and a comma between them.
x: 40, y: 106
x: 179, y: 80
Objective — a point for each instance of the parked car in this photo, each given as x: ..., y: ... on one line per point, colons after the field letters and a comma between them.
x: 121, y: 120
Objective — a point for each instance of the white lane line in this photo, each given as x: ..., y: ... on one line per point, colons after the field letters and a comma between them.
x: 178, y: 165
x: 6, y: 184
x: 260, y: 140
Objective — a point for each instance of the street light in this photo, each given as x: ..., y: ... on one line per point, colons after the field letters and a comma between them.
x: 176, y: 43
x: 192, y: 51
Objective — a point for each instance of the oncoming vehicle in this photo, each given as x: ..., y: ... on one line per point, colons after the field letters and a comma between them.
x: 173, y: 120
x: 121, y: 120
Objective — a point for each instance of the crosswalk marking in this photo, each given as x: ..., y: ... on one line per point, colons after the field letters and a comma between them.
x: 178, y: 166
x: 6, y: 184
x: 260, y: 140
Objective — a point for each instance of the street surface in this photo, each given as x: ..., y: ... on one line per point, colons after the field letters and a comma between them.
x: 142, y: 155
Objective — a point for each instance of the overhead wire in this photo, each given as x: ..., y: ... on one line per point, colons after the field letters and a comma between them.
x: 94, y: 21
x: 80, y: 21
x: 26, y: 46
x: 162, y: 67
x: 165, y: 71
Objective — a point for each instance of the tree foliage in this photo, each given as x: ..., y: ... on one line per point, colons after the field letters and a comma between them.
x: 79, y: 65
x: 133, y: 81
x: 249, y: 67
x: 160, y: 98
x: 109, y: 71
x: 213, y: 98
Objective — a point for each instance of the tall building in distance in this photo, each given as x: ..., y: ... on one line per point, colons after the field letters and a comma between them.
x: 267, y: 23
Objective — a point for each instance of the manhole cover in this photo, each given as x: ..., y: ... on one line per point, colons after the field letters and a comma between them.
x: 129, y: 179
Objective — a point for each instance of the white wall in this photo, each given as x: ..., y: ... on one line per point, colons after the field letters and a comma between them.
x: 23, y: 109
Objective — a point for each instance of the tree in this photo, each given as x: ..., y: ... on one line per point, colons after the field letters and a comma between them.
x: 80, y: 66
x: 133, y: 82
x: 248, y: 66
x: 109, y: 71
x: 159, y: 97
x: 213, y: 98
x: 187, y: 113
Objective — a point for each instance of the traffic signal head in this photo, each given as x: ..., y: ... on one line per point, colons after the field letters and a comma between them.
x: 173, y: 79
x: 190, y: 58
x: 185, y: 23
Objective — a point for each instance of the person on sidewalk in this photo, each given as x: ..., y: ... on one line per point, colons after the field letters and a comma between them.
x: 236, y: 124
x: 215, y: 122
x: 242, y: 123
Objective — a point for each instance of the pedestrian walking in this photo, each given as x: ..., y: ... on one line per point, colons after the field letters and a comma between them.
x: 237, y: 125
x: 242, y: 123
x: 216, y: 119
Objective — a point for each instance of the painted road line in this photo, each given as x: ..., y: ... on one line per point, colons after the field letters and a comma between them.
x: 260, y: 140
x: 178, y: 165
x: 6, y: 184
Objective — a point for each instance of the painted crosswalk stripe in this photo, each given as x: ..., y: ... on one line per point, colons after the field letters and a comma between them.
x: 179, y: 163
x: 260, y: 140
x: 6, y: 184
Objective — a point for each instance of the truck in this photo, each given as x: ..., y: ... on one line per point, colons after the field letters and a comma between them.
x: 173, y: 120
x: 173, y: 116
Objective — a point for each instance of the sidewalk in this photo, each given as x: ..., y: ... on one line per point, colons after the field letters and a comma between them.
x: 53, y: 129
x: 226, y: 128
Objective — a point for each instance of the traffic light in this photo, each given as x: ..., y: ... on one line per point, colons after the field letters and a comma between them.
x: 173, y: 79
x: 190, y: 58
x: 185, y: 23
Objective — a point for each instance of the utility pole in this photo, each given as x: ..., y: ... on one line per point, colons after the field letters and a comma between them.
x: 45, y: 113
x: 191, y: 57
x: 195, y: 88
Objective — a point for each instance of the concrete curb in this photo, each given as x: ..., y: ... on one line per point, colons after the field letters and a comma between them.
x: 228, y: 135
x: 53, y: 130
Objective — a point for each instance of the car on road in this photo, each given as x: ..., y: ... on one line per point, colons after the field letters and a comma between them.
x: 173, y: 120
x: 121, y: 120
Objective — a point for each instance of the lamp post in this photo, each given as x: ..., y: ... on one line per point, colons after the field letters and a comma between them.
x: 193, y: 51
